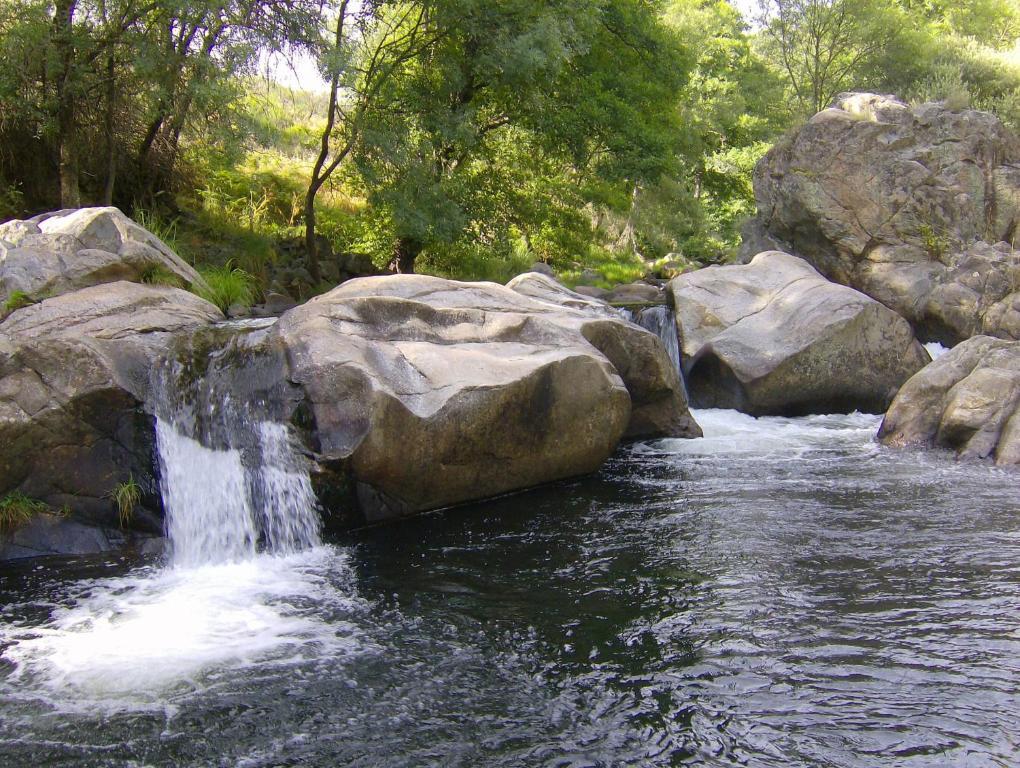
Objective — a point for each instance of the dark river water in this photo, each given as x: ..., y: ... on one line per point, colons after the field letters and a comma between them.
x: 783, y: 592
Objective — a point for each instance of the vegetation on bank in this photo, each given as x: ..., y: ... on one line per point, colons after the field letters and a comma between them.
x: 17, y: 509
x: 464, y: 138
x: 126, y: 495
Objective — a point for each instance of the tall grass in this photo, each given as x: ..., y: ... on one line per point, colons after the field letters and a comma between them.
x: 227, y: 286
x: 16, y: 509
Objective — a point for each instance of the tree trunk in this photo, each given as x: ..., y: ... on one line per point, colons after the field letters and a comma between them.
x: 322, y: 169
x: 406, y: 252
x: 111, y: 144
x: 311, y: 246
x: 70, y: 192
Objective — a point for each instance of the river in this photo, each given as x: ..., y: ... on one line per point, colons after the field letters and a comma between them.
x: 783, y: 592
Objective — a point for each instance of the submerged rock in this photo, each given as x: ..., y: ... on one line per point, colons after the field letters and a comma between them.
x: 74, y: 374
x: 914, y: 206
x: 967, y: 400
x: 429, y: 392
x: 63, y: 251
x: 775, y: 337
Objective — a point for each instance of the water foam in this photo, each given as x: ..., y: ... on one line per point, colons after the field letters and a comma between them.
x: 732, y: 432
x: 135, y: 641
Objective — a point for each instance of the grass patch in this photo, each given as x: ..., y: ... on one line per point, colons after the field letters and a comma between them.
x: 16, y: 509
x: 614, y: 268
x: 160, y: 227
x: 17, y: 300
x: 127, y: 496
x: 157, y: 274
x: 227, y: 286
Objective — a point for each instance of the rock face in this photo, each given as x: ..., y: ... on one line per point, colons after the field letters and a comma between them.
x: 775, y: 337
x: 48, y: 534
x: 659, y: 405
x: 968, y: 400
x: 428, y: 392
x: 63, y: 251
x: 74, y: 373
x: 914, y: 206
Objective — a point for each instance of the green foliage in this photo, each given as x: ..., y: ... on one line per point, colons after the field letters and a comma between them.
x: 967, y: 74
x: 126, y: 496
x: 514, y: 119
x: 12, y: 201
x: 614, y: 267
x: 227, y: 286
x: 16, y: 509
x: 934, y: 242
x: 17, y: 300
x: 160, y: 227
x: 483, y: 135
x: 157, y: 274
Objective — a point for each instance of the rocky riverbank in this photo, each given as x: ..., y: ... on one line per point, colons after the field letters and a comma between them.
x: 411, y: 393
x: 408, y: 393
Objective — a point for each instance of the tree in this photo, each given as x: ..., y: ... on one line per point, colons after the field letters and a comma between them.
x: 732, y: 106
x: 825, y: 47
x: 100, y: 85
x: 370, y: 44
x: 570, y: 89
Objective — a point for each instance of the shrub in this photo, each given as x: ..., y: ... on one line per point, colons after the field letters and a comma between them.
x: 16, y: 509
x: 227, y: 286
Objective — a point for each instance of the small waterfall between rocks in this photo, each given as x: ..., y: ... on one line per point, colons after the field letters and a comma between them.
x: 233, y: 481
x: 660, y: 320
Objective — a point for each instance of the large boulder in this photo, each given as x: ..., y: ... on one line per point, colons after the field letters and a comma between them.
x: 74, y: 374
x: 659, y: 405
x: 63, y: 251
x: 914, y: 206
x: 968, y: 400
x: 427, y: 392
x: 775, y: 337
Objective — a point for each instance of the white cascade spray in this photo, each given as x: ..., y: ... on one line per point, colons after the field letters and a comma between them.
x: 232, y: 478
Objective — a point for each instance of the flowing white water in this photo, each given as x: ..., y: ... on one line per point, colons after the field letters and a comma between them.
x: 731, y: 432
x: 140, y: 639
x: 137, y: 641
x: 660, y: 321
x: 935, y: 350
x: 217, y: 509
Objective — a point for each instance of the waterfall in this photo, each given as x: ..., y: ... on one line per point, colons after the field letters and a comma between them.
x: 232, y: 478
x: 660, y: 321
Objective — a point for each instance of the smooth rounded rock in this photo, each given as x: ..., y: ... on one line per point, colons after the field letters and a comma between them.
x: 967, y: 400
x: 66, y: 250
x: 429, y: 392
x: 774, y: 337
